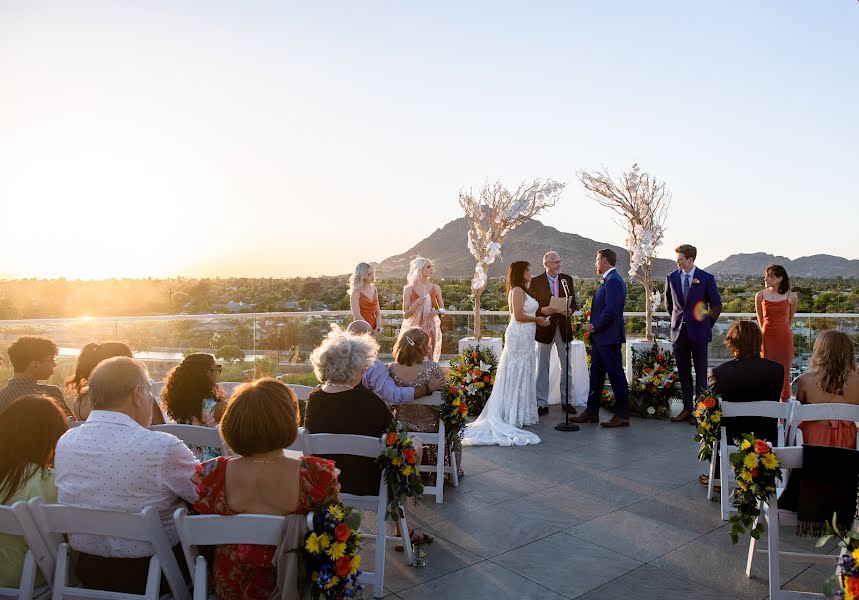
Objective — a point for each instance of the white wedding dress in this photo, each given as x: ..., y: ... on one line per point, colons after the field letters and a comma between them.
x: 513, y: 402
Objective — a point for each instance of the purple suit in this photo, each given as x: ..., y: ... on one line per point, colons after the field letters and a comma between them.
x: 692, y: 321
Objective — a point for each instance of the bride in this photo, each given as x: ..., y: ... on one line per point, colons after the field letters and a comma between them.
x: 513, y: 402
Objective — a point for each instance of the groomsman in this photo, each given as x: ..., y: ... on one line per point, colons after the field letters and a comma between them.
x: 559, y: 333
x: 692, y: 299
x: 607, y: 336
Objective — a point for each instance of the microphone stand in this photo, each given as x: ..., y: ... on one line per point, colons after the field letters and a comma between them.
x: 566, y: 425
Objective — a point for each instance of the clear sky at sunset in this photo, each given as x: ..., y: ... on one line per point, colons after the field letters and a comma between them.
x: 285, y: 138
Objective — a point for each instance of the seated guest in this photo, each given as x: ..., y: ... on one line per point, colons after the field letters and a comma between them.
x: 342, y: 405
x: 113, y: 462
x: 378, y: 379
x: 30, y: 426
x: 747, y: 378
x: 831, y: 377
x: 413, y: 369
x: 260, y: 421
x: 191, y: 396
x: 33, y: 360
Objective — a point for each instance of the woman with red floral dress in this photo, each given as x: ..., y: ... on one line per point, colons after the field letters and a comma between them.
x: 260, y: 421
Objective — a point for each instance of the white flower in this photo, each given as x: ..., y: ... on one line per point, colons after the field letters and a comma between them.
x: 651, y: 410
x: 484, y: 367
x: 656, y: 298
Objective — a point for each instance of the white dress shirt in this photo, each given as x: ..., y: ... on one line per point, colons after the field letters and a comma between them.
x: 112, y: 462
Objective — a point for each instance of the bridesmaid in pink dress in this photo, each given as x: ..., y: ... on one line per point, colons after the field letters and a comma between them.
x: 832, y: 377
x: 776, y: 305
x: 422, y: 304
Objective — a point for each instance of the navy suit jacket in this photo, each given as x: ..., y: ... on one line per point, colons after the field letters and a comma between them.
x: 607, y: 311
x: 703, y: 298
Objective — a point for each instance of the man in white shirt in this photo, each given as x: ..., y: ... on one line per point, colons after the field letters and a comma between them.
x: 113, y: 462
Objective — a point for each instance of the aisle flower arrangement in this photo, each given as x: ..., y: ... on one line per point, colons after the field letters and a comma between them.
x: 709, y: 419
x: 399, y: 461
x: 471, y: 377
x: 756, y: 470
x: 577, y: 324
x: 332, y: 554
x: 453, y: 413
x: 654, y: 383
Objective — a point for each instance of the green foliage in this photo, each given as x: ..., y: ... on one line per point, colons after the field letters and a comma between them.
x: 230, y: 353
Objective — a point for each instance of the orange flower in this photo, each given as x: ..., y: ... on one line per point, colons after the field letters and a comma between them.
x: 486, y: 379
x: 587, y: 335
x: 709, y: 402
x: 587, y: 313
x: 410, y: 455
x: 451, y: 389
x: 754, y: 472
x: 852, y: 586
x: 648, y: 370
x: 342, y: 566
x: 463, y: 408
x: 391, y: 438
x: 342, y: 532
x: 660, y: 358
x: 474, y: 355
x: 667, y: 384
x: 761, y: 447
x: 575, y: 326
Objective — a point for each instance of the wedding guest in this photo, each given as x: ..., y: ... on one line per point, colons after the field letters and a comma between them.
x: 90, y: 356
x: 115, y: 463
x: 746, y: 378
x: 693, y: 301
x: 364, y: 297
x: 831, y: 377
x: 191, y: 396
x: 775, y: 306
x: 31, y: 426
x: 412, y: 368
x: 342, y: 405
x: 260, y: 421
x: 378, y: 379
x: 422, y: 304
x: 33, y: 360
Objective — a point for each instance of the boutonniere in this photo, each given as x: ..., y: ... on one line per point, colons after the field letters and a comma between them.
x: 601, y: 281
x: 695, y: 281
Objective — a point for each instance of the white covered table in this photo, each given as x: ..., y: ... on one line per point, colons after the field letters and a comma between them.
x: 579, y: 376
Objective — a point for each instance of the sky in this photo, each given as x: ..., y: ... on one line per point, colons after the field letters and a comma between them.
x: 298, y: 138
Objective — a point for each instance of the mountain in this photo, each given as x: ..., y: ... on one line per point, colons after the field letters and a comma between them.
x: 817, y: 265
x: 448, y: 249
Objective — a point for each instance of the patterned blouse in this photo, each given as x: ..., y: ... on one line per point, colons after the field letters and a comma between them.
x: 245, y: 571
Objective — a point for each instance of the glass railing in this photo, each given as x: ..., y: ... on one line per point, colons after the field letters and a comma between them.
x: 279, y: 344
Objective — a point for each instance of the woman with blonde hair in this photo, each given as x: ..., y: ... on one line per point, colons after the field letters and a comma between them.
x: 831, y: 377
x: 422, y: 304
x: 364, y: 297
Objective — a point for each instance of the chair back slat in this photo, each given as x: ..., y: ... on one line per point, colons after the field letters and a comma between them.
x: 789, y: 457
x: 9, y: 522
x: 826, y: 412
x: 211, y: 530
x: 194, y: 435
x: 763, y: 408
x: 63, y: 519
x: 302, y: 392
x: 433, y: 399
x: 339, y: 443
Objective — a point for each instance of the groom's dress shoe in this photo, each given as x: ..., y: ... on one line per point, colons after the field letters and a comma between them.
x: 585, y: 417
x: 542, y: 410
x: 684, y: 416
x: 615, y: 421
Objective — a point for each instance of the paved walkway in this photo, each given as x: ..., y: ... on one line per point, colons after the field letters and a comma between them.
x: 594, y: 514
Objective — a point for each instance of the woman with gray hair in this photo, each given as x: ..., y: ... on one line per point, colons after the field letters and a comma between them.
x: 364, y: 298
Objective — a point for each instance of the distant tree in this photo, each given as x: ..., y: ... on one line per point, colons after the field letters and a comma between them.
x: 230, y: 353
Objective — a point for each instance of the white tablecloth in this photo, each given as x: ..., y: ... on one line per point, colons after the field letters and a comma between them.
x: 579, y: 378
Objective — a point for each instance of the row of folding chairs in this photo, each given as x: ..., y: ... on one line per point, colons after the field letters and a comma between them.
x: 789, y: 414
x: 44, y: 527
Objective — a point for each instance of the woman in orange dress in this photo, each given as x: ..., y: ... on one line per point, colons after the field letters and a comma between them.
x: 422, y: 304
x: 776, y: 305
x: 364, y: 297
x: 831, y: 377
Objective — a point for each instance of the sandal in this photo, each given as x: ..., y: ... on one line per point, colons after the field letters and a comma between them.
x: 416, y: 538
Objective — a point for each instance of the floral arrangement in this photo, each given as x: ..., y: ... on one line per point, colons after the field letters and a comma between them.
x: 709, y: 417
x: 399, y: 461
x: 756, y: 469
x: 607, y: 400
x: 654, y: 383
x: 472, y: 375
x: 452, y: 413
x: 844, y: 585
x: 332, y: 552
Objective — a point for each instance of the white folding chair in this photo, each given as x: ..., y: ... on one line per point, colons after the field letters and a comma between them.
x: 16, y: 520
x: 302, y: 392
x: 439, y: 441
x: 369, y: 447
x: 820, y: 412
x: 211, y: 530
x: 788, y: 458
x: 57, y: 520
x: 775, y: 410
x: 196, y: 435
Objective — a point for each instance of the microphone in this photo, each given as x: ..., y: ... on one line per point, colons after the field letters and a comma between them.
x: 567, y: 294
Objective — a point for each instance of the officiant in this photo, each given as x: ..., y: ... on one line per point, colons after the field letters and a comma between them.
x: 554, y: 291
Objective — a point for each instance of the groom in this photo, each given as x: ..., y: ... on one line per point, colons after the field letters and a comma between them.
x: 607, y: 336
x: 692, y: 299
x: 559, y: 333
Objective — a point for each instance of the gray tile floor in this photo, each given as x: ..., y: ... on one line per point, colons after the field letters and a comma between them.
x: 593, y: 514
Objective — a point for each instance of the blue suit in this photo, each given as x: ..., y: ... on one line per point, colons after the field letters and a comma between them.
x: 692, y: 327
x: 606, y: 340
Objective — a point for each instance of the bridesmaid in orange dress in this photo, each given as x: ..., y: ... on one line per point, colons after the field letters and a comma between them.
x: 831, y: 377
x: 364, y: 297
x: 776, y: 305
x: 422, y: 304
